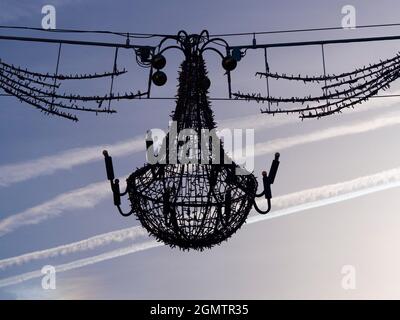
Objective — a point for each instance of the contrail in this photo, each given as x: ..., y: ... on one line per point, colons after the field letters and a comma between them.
x: 93, y: 194
x: 388, y: 120
x: 23, y: 171
x: 82, y: 198
x: 324, y: 202
x: 13, y: 173
x: 154, y: 244
x: 91, y: 243
x: 86, y: 197
x: 290, y: 203
x: 82, y: 262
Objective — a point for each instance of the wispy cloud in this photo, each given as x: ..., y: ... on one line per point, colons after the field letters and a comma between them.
x: 14, y: 173
x: 322, y: 197
x: 82, y: 262
x: 23, y: 171
x: 86, y: 197
x: 344, y: 190
x: 388, y: 120
x: 91, y: 243
x: 290, y: 203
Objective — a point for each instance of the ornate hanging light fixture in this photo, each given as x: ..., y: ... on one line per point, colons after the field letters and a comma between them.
x: 199, y: 203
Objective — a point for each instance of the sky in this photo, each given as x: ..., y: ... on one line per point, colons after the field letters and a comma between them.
x: 335, y: 196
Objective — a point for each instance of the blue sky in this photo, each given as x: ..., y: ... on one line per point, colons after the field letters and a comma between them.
x: 295, y: 256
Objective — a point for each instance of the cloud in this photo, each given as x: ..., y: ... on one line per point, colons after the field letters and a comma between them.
x: 86, y: 197
x: 23, y: 171
x: 391, y: 119
x: 87, y: 244
x: 82, y: 262
x: 290, y: 203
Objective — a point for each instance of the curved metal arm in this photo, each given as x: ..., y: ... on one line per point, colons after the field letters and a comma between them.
x: 268, y: 180
x: 170, y: 47
x: 124, y: 214
x: 125, y: 192
x: 176, y: 38
x: 201, y: 47
x: 261, y: 211
x: 115, y: 184
x: 180, y: 32
x: 215, y: 50
x: 214, y: 40
x: 260, y: 194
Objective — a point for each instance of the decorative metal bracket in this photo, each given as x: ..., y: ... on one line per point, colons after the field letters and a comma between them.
x: 115, y: 184
x: 268, y: 180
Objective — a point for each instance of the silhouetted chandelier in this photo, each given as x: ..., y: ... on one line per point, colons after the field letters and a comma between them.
x: 199, y: 203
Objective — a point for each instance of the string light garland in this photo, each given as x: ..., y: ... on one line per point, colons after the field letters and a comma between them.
x: 339, y: 91
x: 41, y: 90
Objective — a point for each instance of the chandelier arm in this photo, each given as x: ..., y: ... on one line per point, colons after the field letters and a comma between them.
x: 177, y: 38
x: 214, y: 40
x: 268, y: 180
x: 261, y: 211
x: 124, y: 214
x: 125, y: 192
x: 200, y: 38
x: 258, y: 195
x: 171, y: 47
x: 165, y: 39
x: 180, y: 32
x: 206, y: 33
x: 115, y: 184
x: 213, y: 49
